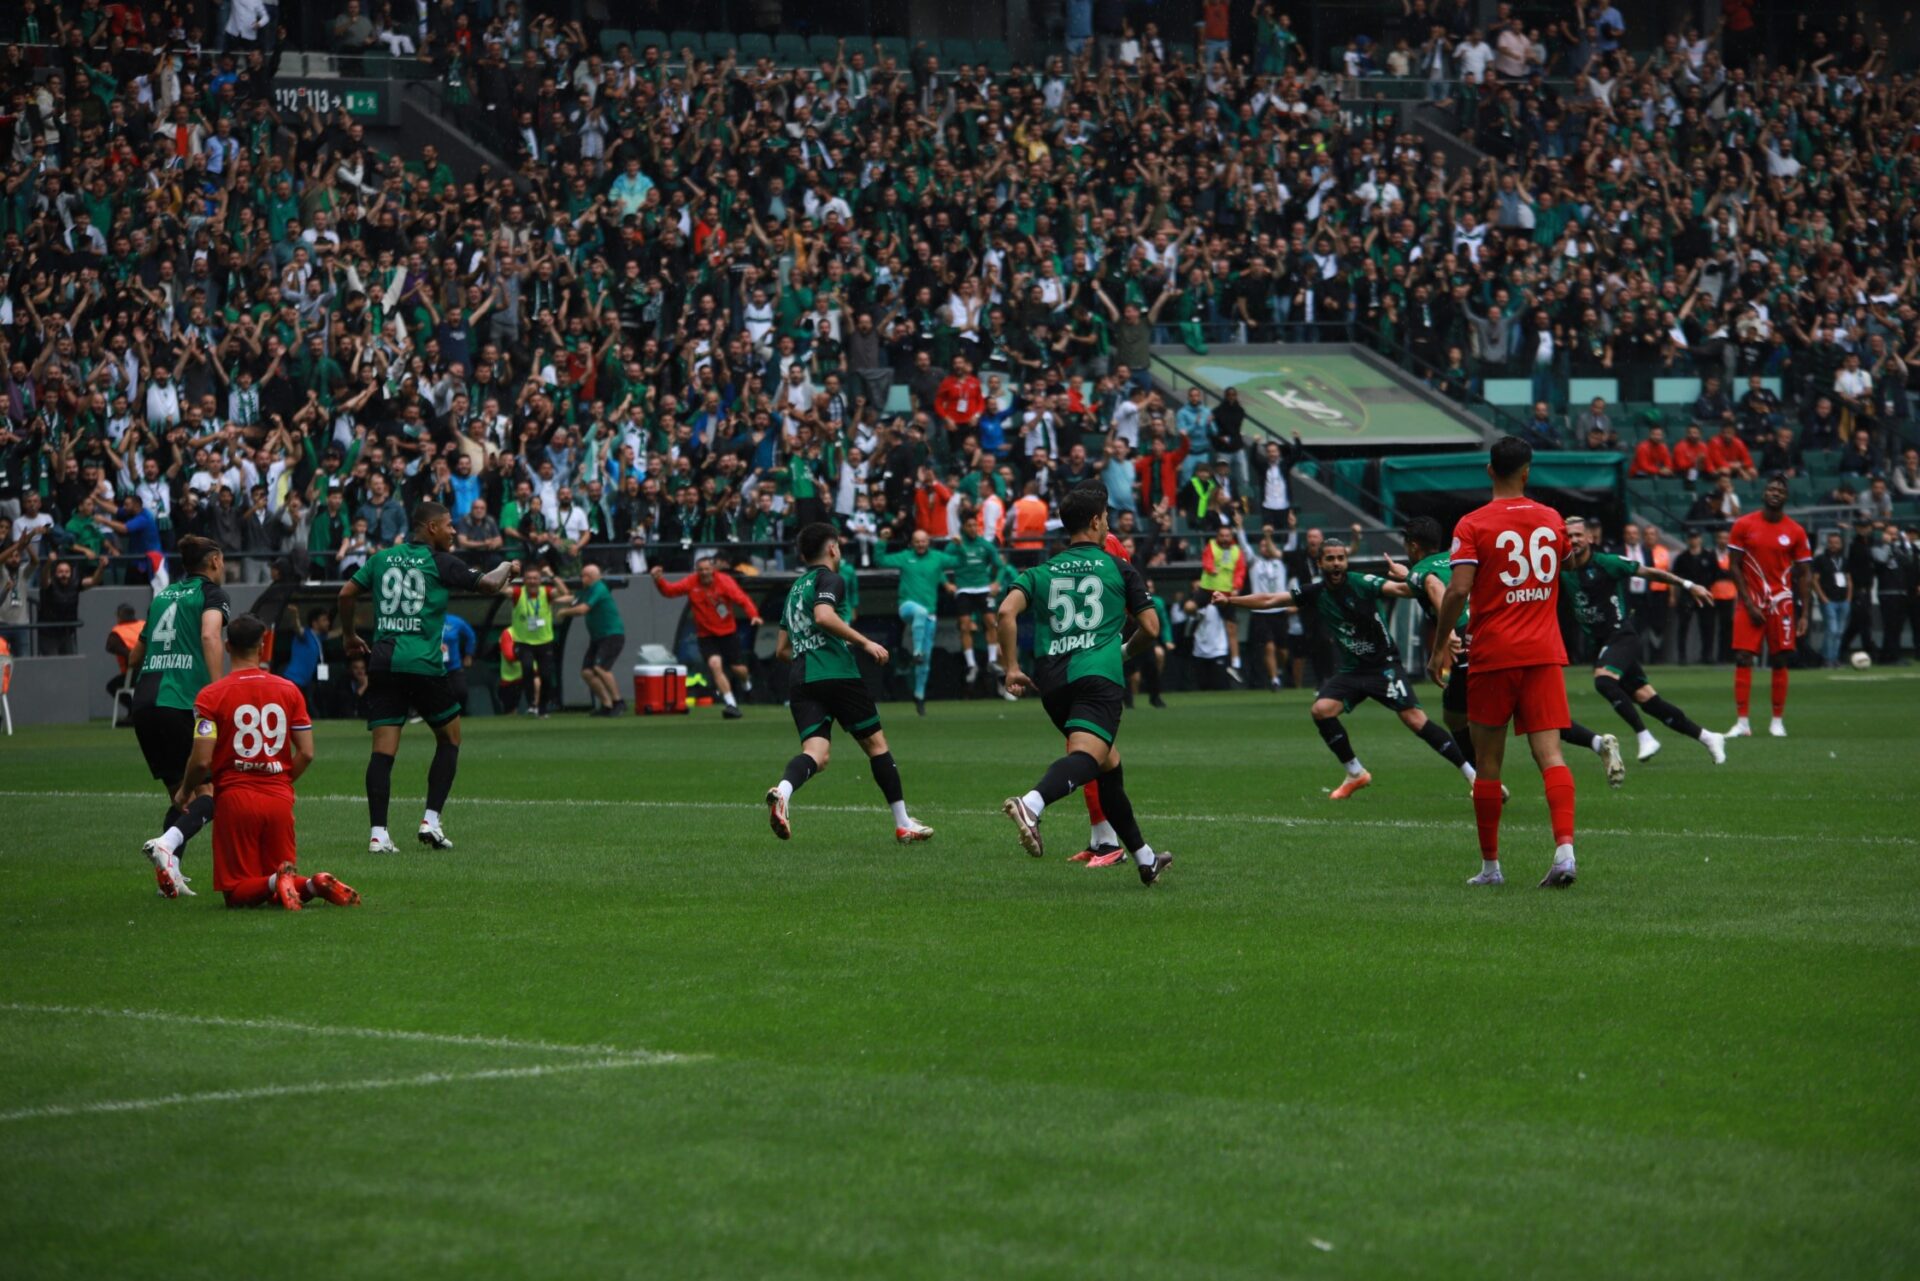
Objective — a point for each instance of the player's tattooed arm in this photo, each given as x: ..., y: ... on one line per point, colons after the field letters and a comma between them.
x: 1255, y: 600
x: 1398, y: 588
x: 343, y: 609
x: 1687, y: 585
x: 496, y: 580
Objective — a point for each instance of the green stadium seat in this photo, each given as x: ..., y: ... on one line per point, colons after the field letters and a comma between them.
x: 899, y: 401
x: 753, y: 45
x: 1509, y: 392
x: 827, y: 47
x: 1581, y: 391
x: 789, y: 49
x: 891, y: 47
x: 611, y: 38
x: 720, y: 43
x: 996, y: 55
x: 658, y: 39
x: 1676, y: 391
x: 957, y: 53
x: 687, y: 39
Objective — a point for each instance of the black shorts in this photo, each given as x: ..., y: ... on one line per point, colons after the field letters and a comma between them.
x: 1621, y: 656
x: 818, y: 704
x: 1263, y: 629
x: 457, y: 682
x: 972, y: 602
x: 1092, y: 703
x: 1387, y: 687
x: 1454, y: 697
x: 394, y: 696
x: 165, y: 735
x: 604, y: 651
x: 725, y: 648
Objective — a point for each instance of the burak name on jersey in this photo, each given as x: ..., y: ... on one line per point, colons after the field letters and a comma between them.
x: 1067, y: 644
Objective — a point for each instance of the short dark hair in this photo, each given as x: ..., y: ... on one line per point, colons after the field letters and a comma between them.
x: 426, y: 513
x: 196, y: 551
x: 245, y: 634
x: 812, y: 541
x: 1424, y: 530
x: 1509, y: 455
x: 1084, y: 504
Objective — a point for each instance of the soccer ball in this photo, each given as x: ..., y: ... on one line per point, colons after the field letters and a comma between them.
x: 1861, y: 660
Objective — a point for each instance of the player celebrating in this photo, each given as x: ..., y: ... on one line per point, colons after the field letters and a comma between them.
x: 177, y: 654
x: 1085, y: 595
x: 251, y: 739
x: 1428, y: 574
x: 1348, y: 606
x: 824, y: 685
x: 409, y: 583
x: 1772, y: 571
x: 1517, y: 650
x: 1592, y: 581
x: 922, y: 576
x: 719, y: 603
x: 976, y: 566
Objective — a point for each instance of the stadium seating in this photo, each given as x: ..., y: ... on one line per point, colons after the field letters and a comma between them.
x: 611, y: 38
x: 687, y: 39
x: 827, y: 47
x: 996, y: 55
x: 720, y: 43
x: 1581, y: 391
x: 957, y: 53
x: 892, y: 47
x: 1509, y: 392
x: 753, y: 45
x: 789, y: 48
x: 658, y: 39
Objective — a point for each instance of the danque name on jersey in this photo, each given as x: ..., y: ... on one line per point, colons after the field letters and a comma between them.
x: 399, y: 623
x: 1520, y: 594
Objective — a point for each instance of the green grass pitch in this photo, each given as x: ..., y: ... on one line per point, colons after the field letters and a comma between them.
x: 621, y: 1030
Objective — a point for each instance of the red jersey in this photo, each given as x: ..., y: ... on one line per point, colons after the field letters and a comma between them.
x: 1115, y: 548
x: 1773, y: 548
x: 251, y: 714
x: 1518, y: 546
x: 717, y: 610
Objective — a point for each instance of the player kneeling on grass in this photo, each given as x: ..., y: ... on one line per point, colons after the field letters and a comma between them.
x: 1506, y: 562
x: 251, y: 739
x: 1083, y: 597
x: 824, y: 685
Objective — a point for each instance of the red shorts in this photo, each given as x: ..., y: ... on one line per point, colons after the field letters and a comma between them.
x: 1533, y: 698
x: 252, y: 835
x: 1775, y: 630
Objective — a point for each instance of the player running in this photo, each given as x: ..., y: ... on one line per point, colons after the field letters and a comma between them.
x: 1428, y: 574
x: 252, y: 738
x: 1348, y: 606
x: 409, y: 583
x: 719, y: 603
x: 976, y: 566
x: 1084, y: 595
x: 1103, y: 843
x: 824, y: 685
x: 177, y: 655
x: 1517, y: 650
x: 1772, y: 572
x: 1592, y: 581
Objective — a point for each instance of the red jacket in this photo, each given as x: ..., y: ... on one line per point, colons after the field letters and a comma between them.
x: 717, y: 610
x: 1687, y: 456
x: 1723, y: 453
x: 959, y: 401
x: 1651, y: 458
x: 1168, y: 467
x: 930, y: 509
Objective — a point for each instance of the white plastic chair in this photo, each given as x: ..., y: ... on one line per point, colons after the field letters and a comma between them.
x: 6, y: 679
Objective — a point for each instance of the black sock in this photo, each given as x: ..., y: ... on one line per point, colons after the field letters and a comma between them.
x: 1463, y: 739
x: 1615, y: 693
x: 379, y: 787
x: 1336, y: 736
x: 886, y: 772
x: 1669, y: 715
x: 1442, y: 742
x: 1066, y: 775
x: 1579, y: 735
x: 1118, y: 807
x: 446, y: 762
x: 173, y: 816
x: 198, y: 814
x: 799, y: 770
x: 1150, y: 676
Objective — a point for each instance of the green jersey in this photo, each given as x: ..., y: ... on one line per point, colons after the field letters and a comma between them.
x: 1596, y: 591
x: 975, y: 562
x: 603, y: 618
x: 409, y: 583
x: 920, y: 576
x: 1437, y: 568
x: 174, y: 669
x: 1081, y: 598
x: 817, y: 655
x: 1350, y: 612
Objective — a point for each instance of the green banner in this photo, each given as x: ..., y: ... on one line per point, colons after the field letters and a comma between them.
x: 1330, y: 399
x: 1567, y: 470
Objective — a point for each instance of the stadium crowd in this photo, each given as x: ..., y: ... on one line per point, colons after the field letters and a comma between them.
x: 718, y: 298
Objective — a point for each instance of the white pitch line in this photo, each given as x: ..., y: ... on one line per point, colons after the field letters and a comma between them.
x: 328, y: 1029
x: 1274, y: 820
x: 328, y: 1087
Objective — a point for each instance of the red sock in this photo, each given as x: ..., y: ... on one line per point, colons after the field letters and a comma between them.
x: 1779, y: 691
x: 1742, y: 688
x: 1559, y: 783
x: 1486, y: 816
x: 1094, y: 813
x: 250, y: 892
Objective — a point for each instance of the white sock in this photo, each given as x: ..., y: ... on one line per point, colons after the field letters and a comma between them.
x: 993, y: 652
x: 973, y: 663
x: 1034, y: 803
x: 431, y: 818
x: 1144, y: 856
x: 1705, y: 734
x: 1599, y: 748
x: 1741, y: 723
x: 1563, y: 855
x: 1646, y: 738
x: 1490, y: 865
x: 899, y: 813
x: 1466, y: 768
x: 1103, y: 834
x: 1236, y: 663
x: 728, y: 700
x: 273, y: 883
x: 171, y: 840
x: 785, y: 789
x: 1353, y: 768
x: 379, y: 833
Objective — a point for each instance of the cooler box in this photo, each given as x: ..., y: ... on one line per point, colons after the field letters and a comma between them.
x: 659, y: 690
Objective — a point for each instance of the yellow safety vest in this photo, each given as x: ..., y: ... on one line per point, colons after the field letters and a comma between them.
x: 1225, y: 562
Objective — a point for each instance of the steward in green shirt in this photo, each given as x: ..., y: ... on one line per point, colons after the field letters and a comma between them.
x: 606, y: 638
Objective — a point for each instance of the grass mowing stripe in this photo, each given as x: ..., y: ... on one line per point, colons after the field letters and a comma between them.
x: 1276, y: 820
x: 55, y: 1110
x: 327, y: 1029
